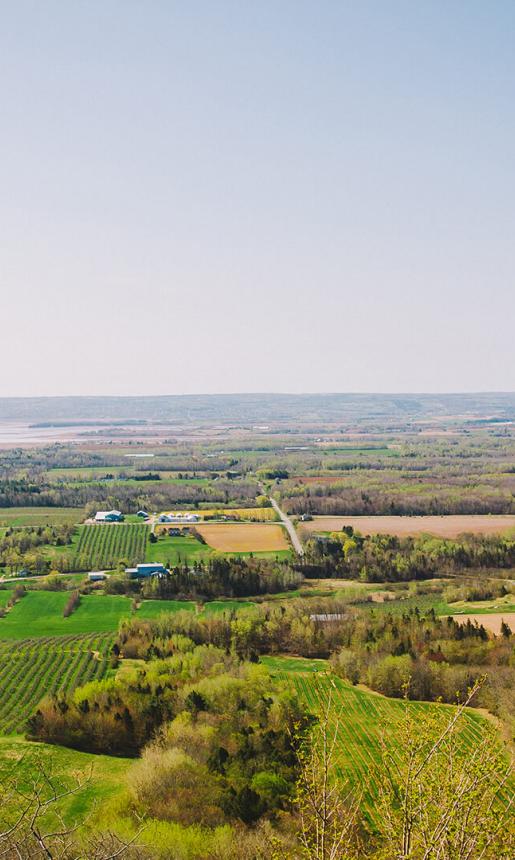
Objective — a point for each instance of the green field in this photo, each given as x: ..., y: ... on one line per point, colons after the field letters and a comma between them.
x: 102, y: 546
x: 177, y: 550
x: 5, y: 596
x: 154, y: 608
x: 483, y: 607
x: 40, y: 516
x: 40, y: 613
x: 174, y: 551
x: 365, y: 718
x: 33, y: 668
x: 274, y: 554
x: 217, y: 606
x: 103, y: 776
x: 86, y: 473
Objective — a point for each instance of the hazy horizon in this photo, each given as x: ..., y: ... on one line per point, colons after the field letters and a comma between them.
x: 257, y: 198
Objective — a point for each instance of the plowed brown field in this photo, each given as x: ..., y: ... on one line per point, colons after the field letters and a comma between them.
x: 243, y: 537
x: 446, y: 526
x: 491, y: 622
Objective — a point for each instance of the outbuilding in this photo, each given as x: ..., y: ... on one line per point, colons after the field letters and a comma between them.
x: 143, y: 571
x: 108, y: 517
x: 97, y: 576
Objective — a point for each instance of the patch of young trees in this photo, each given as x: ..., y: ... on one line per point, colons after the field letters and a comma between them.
x: 386, y: 558
x: 222, y: 576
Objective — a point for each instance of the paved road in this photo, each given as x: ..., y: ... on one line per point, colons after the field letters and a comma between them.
x: 290, y: 528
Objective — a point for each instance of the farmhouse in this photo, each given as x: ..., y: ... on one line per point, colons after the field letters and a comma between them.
x: 179, y: 518
x: 108, y: 517
x: 142, y: 571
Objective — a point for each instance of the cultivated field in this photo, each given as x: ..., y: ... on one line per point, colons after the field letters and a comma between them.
x: 366, y: 719
x: 262, y: 515
x: 102, y: 546
x: 491, y: 621
x: 33, y: 668
x: 236, y: 537
x: 37, y: 516
x: 444, y: 526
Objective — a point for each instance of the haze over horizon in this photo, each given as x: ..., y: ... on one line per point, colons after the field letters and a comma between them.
x: 276, y: 197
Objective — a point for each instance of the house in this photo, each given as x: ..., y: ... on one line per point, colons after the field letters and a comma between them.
x: 142, y: 514
x: 97, y: 576
x: 108, y: 517
x: 179, y: 518
x: 142, y: 571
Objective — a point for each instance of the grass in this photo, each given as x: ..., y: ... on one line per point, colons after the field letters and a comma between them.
x: 5, y: 596
x: 33, y: 668
x: 365, y: 720
x: 424, y: 602
x: 40, y: 614
x: 176, y: 550
x: 483, y: 607
x: 89, y: 473
x: 216, y: 606
x: 274, y: 554
x: 150, y: 609
x: 40, y: 516
x: 103, y: 776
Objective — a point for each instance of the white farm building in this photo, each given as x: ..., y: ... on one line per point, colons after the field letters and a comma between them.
x: 108, y: 517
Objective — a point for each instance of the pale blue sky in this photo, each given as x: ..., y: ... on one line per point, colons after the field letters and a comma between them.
x: 256, y: 196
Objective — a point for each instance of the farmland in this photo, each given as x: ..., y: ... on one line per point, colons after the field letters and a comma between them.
x: 40, y: 516
x: 33, y: 668
x: 491, y: 621
x: 443, y: 526
x: 155, y: 608
x: 176, y: 550
x: 260, y: 539
x: 260, y: 515
x: 389, y: 595
x: 365, y: 719
x: 236, y: 537
x: 102, y: 547
x: 40, y: 614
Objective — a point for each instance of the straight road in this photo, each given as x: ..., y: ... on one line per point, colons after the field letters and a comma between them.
x: 290, y: 528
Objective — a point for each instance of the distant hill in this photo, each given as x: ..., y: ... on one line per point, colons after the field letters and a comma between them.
x: 244, y: 409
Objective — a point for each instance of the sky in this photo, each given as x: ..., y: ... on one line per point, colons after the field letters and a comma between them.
x: 211, y: 197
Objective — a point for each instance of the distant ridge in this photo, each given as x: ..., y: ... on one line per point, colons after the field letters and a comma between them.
x: 245, y: 408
